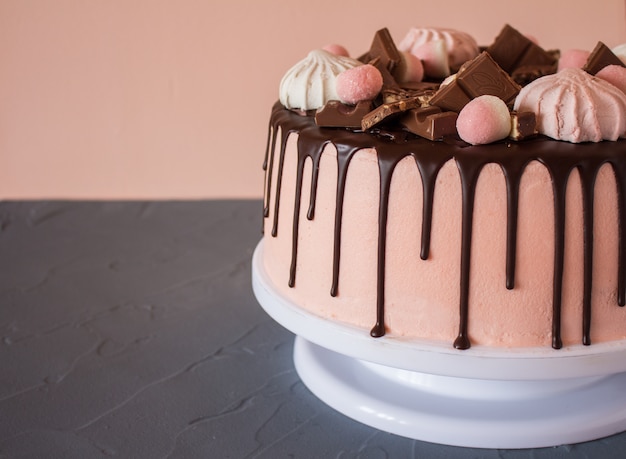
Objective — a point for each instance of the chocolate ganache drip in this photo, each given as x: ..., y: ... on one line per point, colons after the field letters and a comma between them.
x: 559, y: 158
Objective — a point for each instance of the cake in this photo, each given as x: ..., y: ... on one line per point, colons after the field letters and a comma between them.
x: 409, y: 213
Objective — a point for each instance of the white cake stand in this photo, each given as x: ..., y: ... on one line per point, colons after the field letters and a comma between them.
x: 481, y: 397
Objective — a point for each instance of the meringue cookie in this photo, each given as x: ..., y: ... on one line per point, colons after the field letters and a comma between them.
x: 575, y: 106
x: 460, y: 46
x: 310, y: 83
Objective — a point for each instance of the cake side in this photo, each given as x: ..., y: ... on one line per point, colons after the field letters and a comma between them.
x: 422, y: 296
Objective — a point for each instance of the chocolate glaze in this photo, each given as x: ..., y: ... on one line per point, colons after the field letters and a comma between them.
x: 559, y: 158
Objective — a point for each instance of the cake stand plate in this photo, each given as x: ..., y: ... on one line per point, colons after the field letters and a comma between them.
x: 480, y: 397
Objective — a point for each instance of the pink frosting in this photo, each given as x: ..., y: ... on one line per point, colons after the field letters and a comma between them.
x: 575, y: 106
x: 484, y: 119
x: 359, y: 83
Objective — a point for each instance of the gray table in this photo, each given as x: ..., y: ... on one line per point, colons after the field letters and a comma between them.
x: 129, y: 329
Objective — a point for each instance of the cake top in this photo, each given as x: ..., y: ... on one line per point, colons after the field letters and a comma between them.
x: 437, y: 83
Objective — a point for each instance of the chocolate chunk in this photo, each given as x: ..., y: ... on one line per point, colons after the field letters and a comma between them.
x: 423, y: 92
x: 385, y: 50
x: 480, y: 76
x: 430, y: 122
x: 600, y: 57
x: 385, y: 111
x: 450, y: 97
x: 523, y: 125
x: 389, y: 82
x: 511, y: 50
x: 527, y: 73
x: 336, y: 114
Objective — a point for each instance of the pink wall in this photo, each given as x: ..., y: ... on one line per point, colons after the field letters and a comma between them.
x: 170, y: 99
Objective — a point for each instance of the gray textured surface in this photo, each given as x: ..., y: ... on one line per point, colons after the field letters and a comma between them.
x: 130, y: 330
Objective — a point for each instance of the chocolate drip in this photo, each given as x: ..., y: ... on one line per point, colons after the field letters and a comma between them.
x: 619, y: 168
x: 588, y: 179
x: 559, y: 158
x: 469, y: 170
x: 428, y: 166
x: 344, y: 155
x: 387, y: 162
x: 268, y: 167
x: 513, y: 176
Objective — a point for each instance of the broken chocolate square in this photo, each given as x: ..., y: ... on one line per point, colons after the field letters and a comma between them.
x: 600, y: 57
x: 511, y: 50
x: 337, y: 114
x: 478, y: 77
x: 430, y: 122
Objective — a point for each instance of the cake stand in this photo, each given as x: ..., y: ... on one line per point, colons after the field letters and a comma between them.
x: 481, y: 397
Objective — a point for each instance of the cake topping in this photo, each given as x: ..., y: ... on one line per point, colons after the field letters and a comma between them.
x: 310, y: 83
x: 430, y: 122
x: 480, y: 76
x: 484, y: 119
x: 620, y: 51
x: 573, y: 59
x: 410, y: 69
x: 337, y: 114
x: 358, y: 84
x: 337, y: 50
x: 574, y: 106
x: 614, y: 74
x: 520, y: 56
x: 442, y: 50
x: 600, y: 57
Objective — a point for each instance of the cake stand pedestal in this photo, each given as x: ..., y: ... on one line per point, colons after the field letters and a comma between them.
x: 480, y: 397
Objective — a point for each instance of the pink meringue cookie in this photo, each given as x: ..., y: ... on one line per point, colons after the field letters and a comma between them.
x: 460, y: 47
x: 485, y: 119
x: 573, y: 59
x: 614, y: 74
x: 337, y: 50
x: 410, y: 69
x: 359, y: 83
x: 575, y: 106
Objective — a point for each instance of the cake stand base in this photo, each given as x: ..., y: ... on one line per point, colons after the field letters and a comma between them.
x: 481, y: 397
x: 464, y: 412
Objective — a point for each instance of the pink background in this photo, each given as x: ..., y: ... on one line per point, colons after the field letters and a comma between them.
x: 170, y: 99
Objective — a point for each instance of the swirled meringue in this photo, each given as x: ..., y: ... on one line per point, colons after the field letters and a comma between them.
x: 575, y: 106
x: 460, y: 46
x: 310, y: 83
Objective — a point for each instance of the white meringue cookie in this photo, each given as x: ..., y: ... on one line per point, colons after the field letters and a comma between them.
x: 310, y: 83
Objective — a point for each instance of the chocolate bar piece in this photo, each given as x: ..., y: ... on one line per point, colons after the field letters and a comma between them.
x: 337, y: 114
x: 523, y: 125
x: 385, y: 111
x: 430, y: 122
x: 389, y: 82
x: 511, y: 50
x: 384, y: 49
x: 421, y: 91
x: 600, y: 57
x: 480, y: 76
